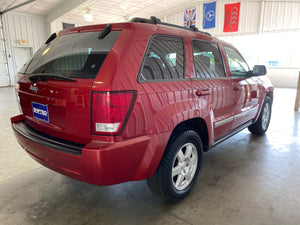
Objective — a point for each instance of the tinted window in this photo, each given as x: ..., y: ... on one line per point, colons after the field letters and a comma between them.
x: 237, y: 65
x: 164, y: 59
x: 207, y: 60
x: 77, y: 55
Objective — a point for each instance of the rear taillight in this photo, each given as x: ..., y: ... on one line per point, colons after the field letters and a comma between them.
x: 111, y: 111
x: 17, y: 86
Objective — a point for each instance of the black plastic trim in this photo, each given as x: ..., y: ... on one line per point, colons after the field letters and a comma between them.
x: 105, y: 31
x: 154, y: 20
x: 46, y: 140
x: 51, y: 38
x: 242, y: 127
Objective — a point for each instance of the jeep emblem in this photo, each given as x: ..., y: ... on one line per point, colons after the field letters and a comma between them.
x: 33, y: 88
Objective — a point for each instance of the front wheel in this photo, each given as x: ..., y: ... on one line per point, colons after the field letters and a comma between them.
x: 179, y: 168
x: 262, y: 124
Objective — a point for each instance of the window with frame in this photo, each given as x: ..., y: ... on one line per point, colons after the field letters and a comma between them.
x: 77, y: 55
x: 237, y: 65
x: 207, y: 60
x: 164, y: 59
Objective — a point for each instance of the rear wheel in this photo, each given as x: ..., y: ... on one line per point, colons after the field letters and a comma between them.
x: 179, y: 168
x: 262, y: 124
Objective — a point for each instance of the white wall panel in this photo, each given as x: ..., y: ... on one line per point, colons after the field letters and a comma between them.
x: 283, y: 15
x: 283, y: 77
x: 250, y: 12
x: 56, y: 25
x: 277, y: 15
x: 4, y: 79
x: 22, y: 27
x: 176, y: 18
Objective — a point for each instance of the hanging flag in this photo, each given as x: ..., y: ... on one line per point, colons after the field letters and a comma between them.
x: 209, y: 15
x: 190, y: 18
x: 231, y: 20
x: 67, y: 25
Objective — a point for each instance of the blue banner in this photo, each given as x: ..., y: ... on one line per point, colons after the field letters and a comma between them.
x: 209, y: 15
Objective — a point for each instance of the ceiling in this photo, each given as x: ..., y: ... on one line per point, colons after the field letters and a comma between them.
x: 39, y: 7
x: 102, y: 11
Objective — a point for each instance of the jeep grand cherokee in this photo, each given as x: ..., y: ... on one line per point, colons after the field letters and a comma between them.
x: 113, y: 103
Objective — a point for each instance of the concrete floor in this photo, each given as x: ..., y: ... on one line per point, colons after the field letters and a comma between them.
x: 244, y: 180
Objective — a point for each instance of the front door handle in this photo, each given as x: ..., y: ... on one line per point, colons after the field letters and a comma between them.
x: 204, y: 91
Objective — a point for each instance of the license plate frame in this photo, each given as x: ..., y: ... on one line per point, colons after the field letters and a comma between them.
x: 40, y: 111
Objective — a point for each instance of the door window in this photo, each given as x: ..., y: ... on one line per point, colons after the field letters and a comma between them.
x: 237, y: 65
x: 164, y: 59
x: 207, y: 60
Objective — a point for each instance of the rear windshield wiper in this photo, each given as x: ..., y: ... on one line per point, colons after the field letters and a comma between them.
x: 44, y: 76
x: 105, y: 31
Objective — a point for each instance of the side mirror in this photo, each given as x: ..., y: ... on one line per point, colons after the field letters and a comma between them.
x: 259, y: 70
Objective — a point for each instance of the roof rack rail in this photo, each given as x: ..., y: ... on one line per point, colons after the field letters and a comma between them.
x: 154, y: 20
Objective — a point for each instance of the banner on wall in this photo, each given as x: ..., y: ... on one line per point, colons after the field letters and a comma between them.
x: 190, y: 18
x: 231, y: 20
x: 209, y: 15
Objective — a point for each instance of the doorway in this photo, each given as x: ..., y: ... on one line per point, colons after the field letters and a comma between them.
x: 22, y: 55
x: 4, y: 79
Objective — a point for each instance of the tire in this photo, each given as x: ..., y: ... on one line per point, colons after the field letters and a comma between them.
x: 179, y: 168
x: 262, y: 124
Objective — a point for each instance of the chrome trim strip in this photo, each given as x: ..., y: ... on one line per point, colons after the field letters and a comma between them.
x: 222, y: 122
x: 230, y: 119
x: 244, y: 113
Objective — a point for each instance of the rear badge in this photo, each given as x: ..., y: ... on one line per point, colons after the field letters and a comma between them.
x: 40, y: 111
x: 33, y: 88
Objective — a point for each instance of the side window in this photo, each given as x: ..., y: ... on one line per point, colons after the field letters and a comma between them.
x: 207, y: 60
x: 237, y: 65
x: 164, y: 59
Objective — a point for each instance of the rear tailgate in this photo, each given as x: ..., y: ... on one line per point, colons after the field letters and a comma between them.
x: 54, y: 88
x: 58, y: 108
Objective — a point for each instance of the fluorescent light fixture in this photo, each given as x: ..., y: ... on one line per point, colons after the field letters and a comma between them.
x: 88, y: 17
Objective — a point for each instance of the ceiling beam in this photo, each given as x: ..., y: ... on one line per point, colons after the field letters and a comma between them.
x: 63, y: 8
x: 17, y: 6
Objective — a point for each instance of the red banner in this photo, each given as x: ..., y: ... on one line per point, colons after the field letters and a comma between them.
x: 231, y: 20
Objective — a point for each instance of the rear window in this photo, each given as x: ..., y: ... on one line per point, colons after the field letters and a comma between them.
x: 78, y: 55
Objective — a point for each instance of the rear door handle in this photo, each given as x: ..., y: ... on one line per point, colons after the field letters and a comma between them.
x: 204, y: 91
x: 238, y: 88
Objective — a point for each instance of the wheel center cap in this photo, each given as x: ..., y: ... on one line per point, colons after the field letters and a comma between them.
x: 186, y: 163
x: 185, y: 167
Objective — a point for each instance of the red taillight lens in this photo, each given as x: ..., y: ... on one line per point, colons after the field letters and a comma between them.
x: 111, y: 111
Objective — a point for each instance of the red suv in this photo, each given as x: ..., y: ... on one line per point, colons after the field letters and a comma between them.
x: 107, y: 104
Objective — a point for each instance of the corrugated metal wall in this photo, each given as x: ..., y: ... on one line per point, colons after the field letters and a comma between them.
x: 4, y: 80
x: 281, y: 15
x: 262, y: 26
x: 56, y: 25
x: 255, y: 16
x: 22, y: 27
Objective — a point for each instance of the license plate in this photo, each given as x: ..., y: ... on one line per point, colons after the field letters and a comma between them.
x: 40, y: 111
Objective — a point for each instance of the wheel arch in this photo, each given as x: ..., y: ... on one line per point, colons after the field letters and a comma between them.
x: 270, y: 94
x: 196, y: 124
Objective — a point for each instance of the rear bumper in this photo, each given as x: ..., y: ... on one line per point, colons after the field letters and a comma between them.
x: 100, y: 163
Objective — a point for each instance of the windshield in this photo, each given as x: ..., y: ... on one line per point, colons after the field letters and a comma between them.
x: 78, y: 55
